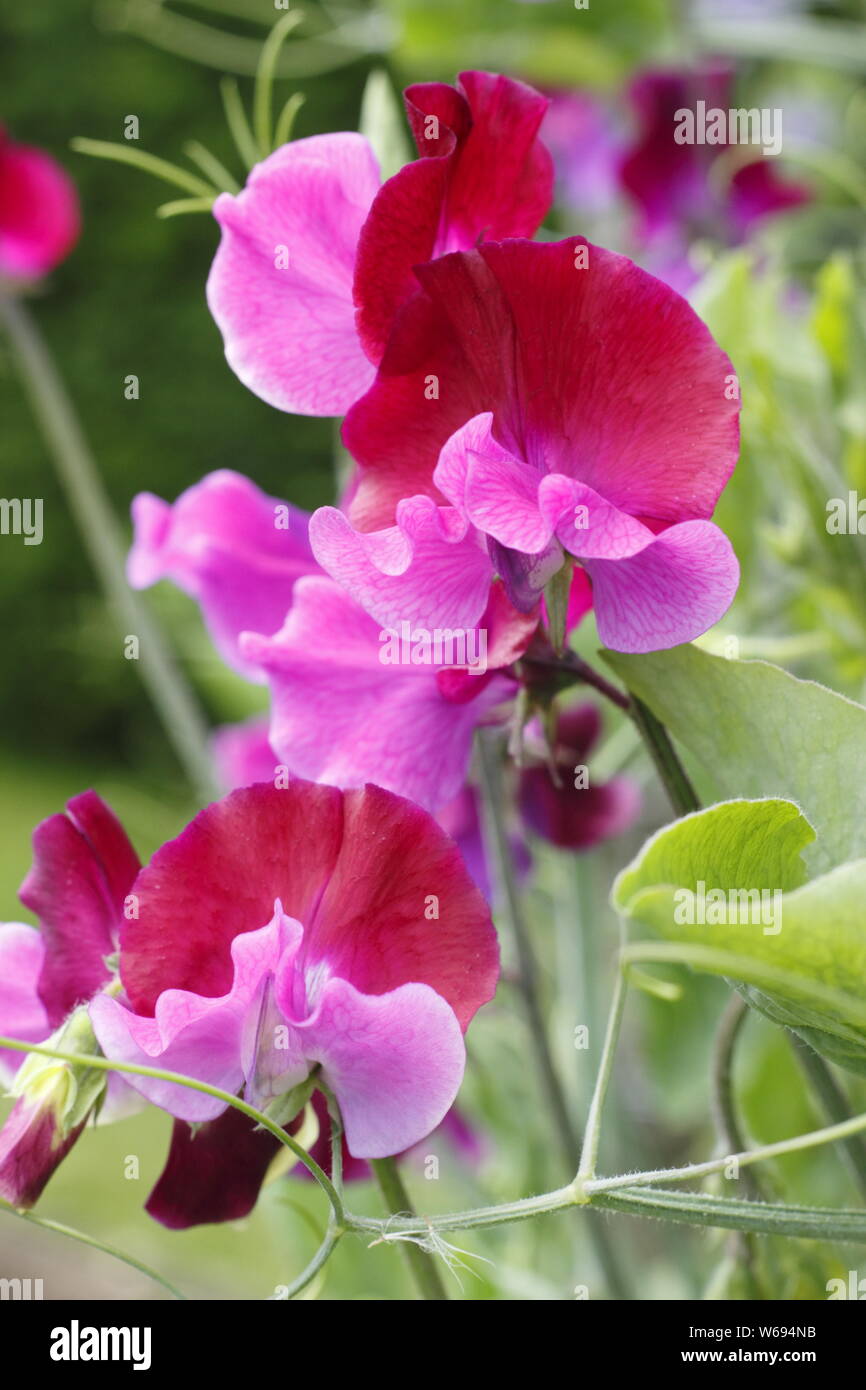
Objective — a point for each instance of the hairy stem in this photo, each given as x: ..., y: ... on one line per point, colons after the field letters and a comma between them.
x: 423, y: 1265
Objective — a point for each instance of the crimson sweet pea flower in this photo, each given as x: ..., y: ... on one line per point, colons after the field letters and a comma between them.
x: 312, y: 238
x: 286, y: 934
x: 583, y: 411
x: 39, y: 215
x: 677, y: 187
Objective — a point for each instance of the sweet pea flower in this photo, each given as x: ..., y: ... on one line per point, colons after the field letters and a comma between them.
x: 233, y: 549
x: 560, y: 802
x: 583, y: 414
x: 315, y: 258
x: 39, y: 215
x: 683, y: 191
x: 83, y: 868
x: 342, y: 710
x: 288, y: 934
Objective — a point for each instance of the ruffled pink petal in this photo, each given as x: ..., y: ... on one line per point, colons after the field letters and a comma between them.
x: 280, y: 287
x: 428, y: 569
x: 83, y: 869
x: 355, y: 868
x: 482, y: 174
x: 342, y: 713
x: 235, y: 550
x: 394, y: 1061
x: 668, y: 593
x: 22, y: 1013
x: 39, y: 214
x: 195, y: 1035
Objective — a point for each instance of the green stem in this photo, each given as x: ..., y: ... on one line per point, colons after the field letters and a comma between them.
x: 317, y: 1263
x: 682, y: 794
x: 257, y: 1116
x: 104, y: 542
x: 727, y: 1120
x: 58, y: 1229
x: 592, y: 1136
x: 729, y: 1214
x: 239, y: 126
x: 264, y: 88
x: 567, y: 1134
x: 423, y: 1265
x: 834, y: 1104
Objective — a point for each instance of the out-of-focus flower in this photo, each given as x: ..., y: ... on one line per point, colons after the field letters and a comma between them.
x: 39, y: 214
x: 560, y: 803
x: 685, y: 191
x: 316, y: 259
x: 347, y: 979
x: 583, y: 411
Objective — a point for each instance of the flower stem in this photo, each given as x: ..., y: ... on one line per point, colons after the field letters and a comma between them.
x: 422, y: 1264
x: 567, y: 1134
x: 103, y: 540
x: 589, y: 1154
x: 834, y: 1105
x: 682, y: 794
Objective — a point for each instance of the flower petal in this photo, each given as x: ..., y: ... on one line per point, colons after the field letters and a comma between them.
x: 83, y: 869
x: 280, y: 287
x: 225, y: 543
x: 22, y: 1013
x: 39, y: 215
x: 394, y: 1061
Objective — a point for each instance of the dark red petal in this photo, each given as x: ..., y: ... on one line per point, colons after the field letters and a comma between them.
x: 83, y: 868
x: 212, y: 1174
x: 575, y: 818
x: 482, y: 173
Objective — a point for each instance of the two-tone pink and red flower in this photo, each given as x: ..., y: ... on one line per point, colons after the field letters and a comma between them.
x: 286, y: 935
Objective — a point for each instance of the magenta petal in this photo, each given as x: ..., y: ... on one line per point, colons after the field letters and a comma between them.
x: 235, y: 550
x: 243, y: 754
x: 429, y: 569
x: 280, y: 287
x: 394, y: 1061
x: 668, y: 593
x: 83, y: 868
x: 194, y: 1035
x: 213, y: 1172
x: 22, y: 1013
x: 39, y: 215
x: 342, y: 714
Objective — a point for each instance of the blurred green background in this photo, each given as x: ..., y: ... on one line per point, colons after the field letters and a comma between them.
x: 130, y: 299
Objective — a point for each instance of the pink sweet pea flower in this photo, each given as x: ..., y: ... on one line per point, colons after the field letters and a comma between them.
x: 39, y: 215
x: 83, y: 868
x: 343, y: 712
x: 225, y: 543
x: 583, y: 410
x: 312, y: 237
x: 346, y: 975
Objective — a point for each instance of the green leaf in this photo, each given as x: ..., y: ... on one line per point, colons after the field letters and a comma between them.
x: 726, y: 885
x: 760, y: 732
